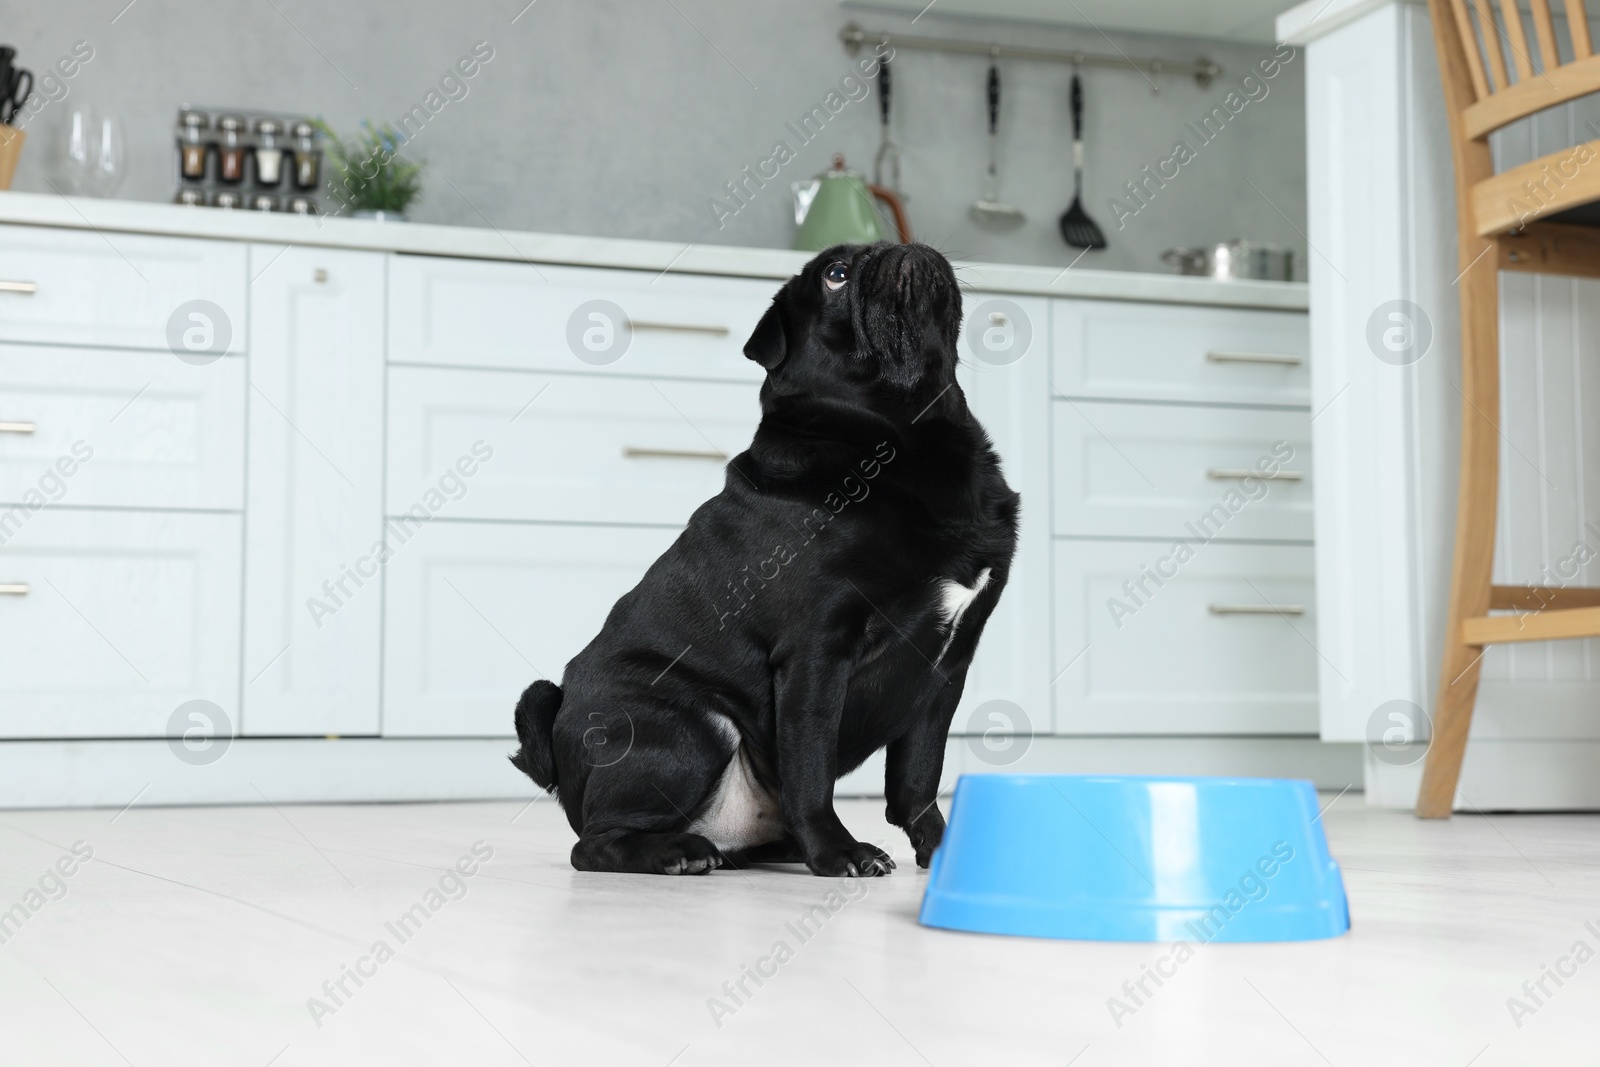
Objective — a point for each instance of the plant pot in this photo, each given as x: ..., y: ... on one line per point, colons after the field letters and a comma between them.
x: 11, y: 140
x: 379, y: 216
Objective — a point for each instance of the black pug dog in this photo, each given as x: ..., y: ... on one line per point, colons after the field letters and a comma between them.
x: 824, y: 605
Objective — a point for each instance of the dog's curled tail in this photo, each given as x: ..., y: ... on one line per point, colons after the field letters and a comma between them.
x: 536, y: 719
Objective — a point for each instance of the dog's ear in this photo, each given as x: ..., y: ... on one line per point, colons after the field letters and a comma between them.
x: 767, y: 345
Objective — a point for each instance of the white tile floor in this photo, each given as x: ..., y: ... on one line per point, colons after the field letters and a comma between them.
x: 198, y: 936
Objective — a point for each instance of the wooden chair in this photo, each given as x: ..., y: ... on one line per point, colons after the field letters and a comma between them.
x: 1540, y: 217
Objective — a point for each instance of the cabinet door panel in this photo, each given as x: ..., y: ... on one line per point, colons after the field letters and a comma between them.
x: 315, y: 504
x: 475, y: 612
x: 1008, y: 686
x: 565, y: 447
x: 76, y: 287
x: 150, y: 431
x: 612, y: 322
x: 1118, y: 350
x: 111, y: 620
x: 1161, y: 470
x: 1148, y: 643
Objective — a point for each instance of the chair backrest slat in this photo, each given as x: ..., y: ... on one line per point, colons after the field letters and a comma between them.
x: 1491, y: 43
x: 1517, y: 38
x: 1469, y: 44
x: 1578, y: 26
x: 1482, y: 30
x: 1545, y: 28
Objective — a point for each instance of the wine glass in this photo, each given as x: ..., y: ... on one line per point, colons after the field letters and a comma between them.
x: 76, y: 161
x: 93, y: 157
x: 110, y: 158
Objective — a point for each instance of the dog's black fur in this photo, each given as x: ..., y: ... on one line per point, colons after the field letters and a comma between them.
x: 795, y: 627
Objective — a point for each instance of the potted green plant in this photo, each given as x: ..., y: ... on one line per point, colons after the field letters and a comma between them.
x: 369, y: 178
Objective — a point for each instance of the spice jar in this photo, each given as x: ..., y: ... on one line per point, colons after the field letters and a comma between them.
x: 307, y: 157
x: 230, y: 149
x: 227, y: 199
x: 263, y: 202
x: 190, y: 197
x: 269, y: 152
x: 303, y: 205
x: 192, y: 144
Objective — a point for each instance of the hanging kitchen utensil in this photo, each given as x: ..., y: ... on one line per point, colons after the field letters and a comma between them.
x: 1077, y: 228
x: 991, y: 211
x: 886, y: 167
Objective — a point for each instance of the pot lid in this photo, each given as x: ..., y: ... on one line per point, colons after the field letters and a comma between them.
x: 1240, y: 244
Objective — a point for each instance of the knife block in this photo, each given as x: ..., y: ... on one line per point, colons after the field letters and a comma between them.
x: 11, y: 140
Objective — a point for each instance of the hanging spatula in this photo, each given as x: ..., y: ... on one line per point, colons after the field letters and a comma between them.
x: 1077, y: 228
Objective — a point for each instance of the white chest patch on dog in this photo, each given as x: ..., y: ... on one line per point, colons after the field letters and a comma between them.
x: 740, y: 814
x: 954, y: 599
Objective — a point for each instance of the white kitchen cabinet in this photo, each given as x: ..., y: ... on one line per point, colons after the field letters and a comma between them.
x: 1161, y: 470
x: 111, y: 620
x: 1220, y: 643
x: 520, y: 316
x: 477, y: 611
x: 121, y: 290
x: 134, y: 429
x: 416, y: 484
x: 1115, y: 350
x: 314, y: 512
x: 1011, y: 397
x: 1386, y: 380
x: 564, y: 448
x: 1168, y: 558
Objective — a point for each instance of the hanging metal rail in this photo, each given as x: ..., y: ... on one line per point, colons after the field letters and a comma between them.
x: 1201, y: 70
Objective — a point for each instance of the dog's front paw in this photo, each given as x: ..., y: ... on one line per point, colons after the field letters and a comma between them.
x: 925, y: 831
x: 856, y: 859
x: 925, y: 838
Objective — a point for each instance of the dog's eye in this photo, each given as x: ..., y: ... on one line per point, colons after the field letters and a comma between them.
x: 835, y: 275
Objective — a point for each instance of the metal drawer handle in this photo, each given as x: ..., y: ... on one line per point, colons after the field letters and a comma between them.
x: 1255, y: 357
x: 1236, y: 474
x: 1258, y: 609
x: 13, y: 588
x: 679, y: 327
x: 671, y: 453
x: 16, y: 427
x: 23, y: 288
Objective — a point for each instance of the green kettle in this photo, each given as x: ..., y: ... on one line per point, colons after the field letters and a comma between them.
x: 838, y: 207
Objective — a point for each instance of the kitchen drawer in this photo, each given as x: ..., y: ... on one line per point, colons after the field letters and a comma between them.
x: 76, y: 287
x: 1128, y: 351
x: 475, y: 612
x: 1223, y: 646
x: 125, y: 616
x: 134, y: 429
x: 526, y: 317
x: 565, y: 447
x: 1159, y: 470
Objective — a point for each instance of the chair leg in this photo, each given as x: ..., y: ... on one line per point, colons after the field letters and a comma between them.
x: 1470, y: 578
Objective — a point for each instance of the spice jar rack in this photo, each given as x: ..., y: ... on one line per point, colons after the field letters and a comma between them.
x: 247, y: 160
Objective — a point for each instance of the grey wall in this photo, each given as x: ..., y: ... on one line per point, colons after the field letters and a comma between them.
x: 624, y: 117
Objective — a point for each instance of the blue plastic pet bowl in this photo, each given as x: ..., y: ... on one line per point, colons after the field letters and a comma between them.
x: 1122, y: 858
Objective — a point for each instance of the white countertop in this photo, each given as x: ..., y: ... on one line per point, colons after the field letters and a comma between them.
x: 127, y: 216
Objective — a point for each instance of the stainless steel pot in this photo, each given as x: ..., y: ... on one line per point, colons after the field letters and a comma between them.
x: 1234, y: 260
